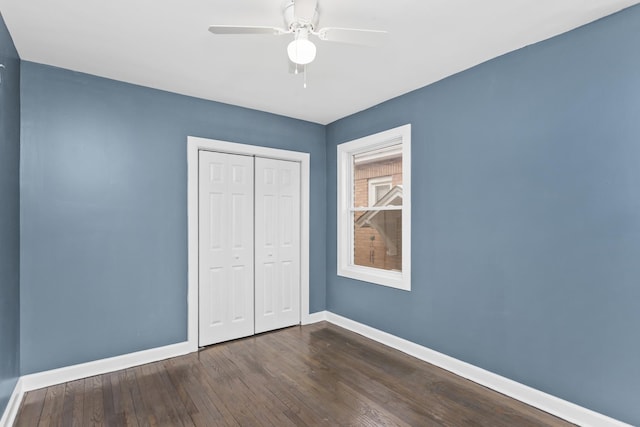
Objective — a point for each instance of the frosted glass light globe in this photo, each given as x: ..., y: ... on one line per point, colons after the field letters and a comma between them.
x: 301, y: 51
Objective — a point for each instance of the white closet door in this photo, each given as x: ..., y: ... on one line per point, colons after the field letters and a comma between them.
x: 277, y: 244
x: 226, y: 247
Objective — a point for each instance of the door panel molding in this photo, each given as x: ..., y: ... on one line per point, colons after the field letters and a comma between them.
x: 196, y: 144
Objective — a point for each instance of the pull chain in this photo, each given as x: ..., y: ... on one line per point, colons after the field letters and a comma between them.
x: 305, y: 77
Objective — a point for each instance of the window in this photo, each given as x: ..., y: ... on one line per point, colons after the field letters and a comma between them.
x: 374, y: 210
x: 378, y: 187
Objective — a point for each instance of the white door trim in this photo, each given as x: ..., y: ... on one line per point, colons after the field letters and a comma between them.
x: 194, y: 144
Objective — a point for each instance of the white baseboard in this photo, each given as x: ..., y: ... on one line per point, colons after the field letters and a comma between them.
x: 102, y: 366
x: 75, y: 372
x: 314, y: 318
x: 536, y: 398
x: 11, y: 411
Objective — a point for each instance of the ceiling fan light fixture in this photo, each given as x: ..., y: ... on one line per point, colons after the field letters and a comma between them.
x: 301, y: 51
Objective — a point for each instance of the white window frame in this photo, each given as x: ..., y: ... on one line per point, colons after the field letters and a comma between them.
x: 346, y: 151
x: 373, y: 186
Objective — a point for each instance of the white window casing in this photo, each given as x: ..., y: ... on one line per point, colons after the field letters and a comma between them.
x: 373, y: 148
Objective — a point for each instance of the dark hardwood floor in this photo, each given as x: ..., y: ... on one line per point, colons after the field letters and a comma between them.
x: 312, y: 375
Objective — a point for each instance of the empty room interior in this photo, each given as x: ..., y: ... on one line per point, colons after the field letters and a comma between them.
x: 315, y: 212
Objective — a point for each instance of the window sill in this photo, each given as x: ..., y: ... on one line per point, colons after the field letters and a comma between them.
x: 391, y: 279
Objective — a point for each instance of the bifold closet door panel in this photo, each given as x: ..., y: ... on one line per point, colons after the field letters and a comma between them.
x: 226, y: 247
x: 277, y: 244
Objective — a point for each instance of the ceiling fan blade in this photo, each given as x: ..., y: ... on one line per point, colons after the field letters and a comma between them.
x: 304, y: 10
x: 245, y: 29
x: 352, y: 36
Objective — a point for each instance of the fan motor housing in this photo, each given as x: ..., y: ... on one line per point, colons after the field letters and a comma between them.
x: 293, y: 24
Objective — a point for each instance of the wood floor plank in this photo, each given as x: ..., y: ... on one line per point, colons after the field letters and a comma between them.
x: 192, y: 393
x: 73, y: 403
x: 158, y: 399
x: 382, y: 385
x: 315, y: 375
x: 210, y: 402
x: 93, y: 410
x: 123, y: 400
x: 133, y: 388
x: 111, y: 416
x: 31, y: 408
x: 53, y: 404
x: 171, y: 396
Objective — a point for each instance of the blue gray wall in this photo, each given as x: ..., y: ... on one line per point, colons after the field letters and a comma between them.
x: 9, y: 217
x: 525, y: 217
x: 104, y: 211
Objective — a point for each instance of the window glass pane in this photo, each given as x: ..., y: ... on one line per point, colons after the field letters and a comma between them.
x: 375, y: 173
x: 380, y: 190
x: 377, y: 239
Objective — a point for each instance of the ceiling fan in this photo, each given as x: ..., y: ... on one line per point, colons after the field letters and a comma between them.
x: 301, y: 20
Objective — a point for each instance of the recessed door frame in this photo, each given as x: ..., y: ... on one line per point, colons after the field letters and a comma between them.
x: 195, y: 144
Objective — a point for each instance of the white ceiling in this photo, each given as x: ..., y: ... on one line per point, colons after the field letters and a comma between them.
x: 165, y: 44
